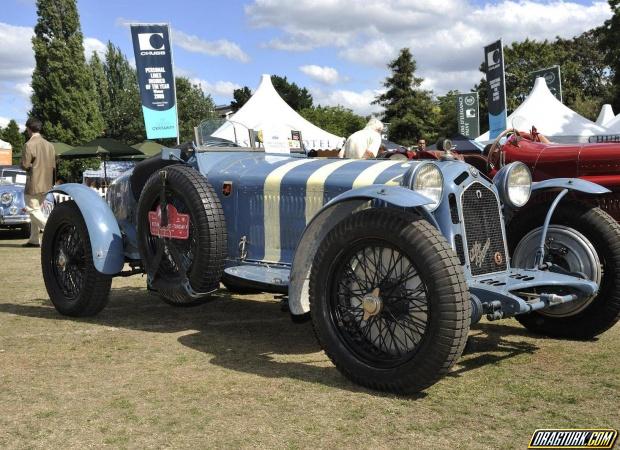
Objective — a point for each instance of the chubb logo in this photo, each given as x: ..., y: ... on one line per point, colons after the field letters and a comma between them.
x: 493, y: 58
x: 151, y: 43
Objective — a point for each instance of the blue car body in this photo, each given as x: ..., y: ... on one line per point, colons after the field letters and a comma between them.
x: 278, y: 208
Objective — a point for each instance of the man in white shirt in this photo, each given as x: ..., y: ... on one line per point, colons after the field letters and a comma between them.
x: 364, y: 144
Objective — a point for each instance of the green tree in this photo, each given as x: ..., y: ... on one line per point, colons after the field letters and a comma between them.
x: 338, y: 120
x: 193, y: 106
x: 241, y: 96
x: 296, y: 97
x: 101, y: 84
x: 447, y: 125
x: 123, y: 118
x: 63, y: 91
x: 13, y: 136
x: 409, y: 109
x: 609, y: 43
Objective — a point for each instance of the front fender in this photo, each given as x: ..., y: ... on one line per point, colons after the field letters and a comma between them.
x: 573, y: 184
x: 105, y: 236
x: 338, y: 209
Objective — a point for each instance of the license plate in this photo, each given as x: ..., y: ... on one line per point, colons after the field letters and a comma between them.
x: 178, y: 224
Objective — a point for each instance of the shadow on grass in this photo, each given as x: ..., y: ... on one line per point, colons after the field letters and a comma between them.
x: 487, y: 344
x: 256, y: 337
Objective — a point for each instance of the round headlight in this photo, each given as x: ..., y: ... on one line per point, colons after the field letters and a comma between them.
x: 514, y: 183
x: 428, y: 181
x: 6, y: 198
x: 13, y: 210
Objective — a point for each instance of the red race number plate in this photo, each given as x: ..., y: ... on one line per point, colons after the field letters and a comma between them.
x: 178, y: 224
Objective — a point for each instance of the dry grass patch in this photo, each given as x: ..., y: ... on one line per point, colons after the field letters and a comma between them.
x: 237, y: 372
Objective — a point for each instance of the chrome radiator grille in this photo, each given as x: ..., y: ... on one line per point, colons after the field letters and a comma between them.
x: 486, y: 251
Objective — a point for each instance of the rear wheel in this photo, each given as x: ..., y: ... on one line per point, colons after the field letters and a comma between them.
x: 73, y: 283
x: 585, y: 241
x: 389, y: 302
x: 184, y: 270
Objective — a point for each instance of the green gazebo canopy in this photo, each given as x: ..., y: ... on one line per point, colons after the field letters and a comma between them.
x: 105, y: 148
x: 149, y: 148
x: 61, y: 147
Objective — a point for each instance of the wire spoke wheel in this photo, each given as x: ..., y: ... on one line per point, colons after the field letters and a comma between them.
x: 388, y: 300
x: 379, y: 303
x: 69, y: 261
x: 75, y: 286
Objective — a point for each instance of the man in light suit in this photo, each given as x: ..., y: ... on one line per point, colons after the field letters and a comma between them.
x: 39, y: 161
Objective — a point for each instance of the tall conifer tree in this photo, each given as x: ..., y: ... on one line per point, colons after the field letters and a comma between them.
x: 63, y: 91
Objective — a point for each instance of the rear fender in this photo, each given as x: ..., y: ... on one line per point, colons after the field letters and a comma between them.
x: 105, y: 236
x: 328, y: 217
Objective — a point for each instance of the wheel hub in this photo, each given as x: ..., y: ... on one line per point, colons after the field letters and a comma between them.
x: 62, y: 260
x: 372, y: 304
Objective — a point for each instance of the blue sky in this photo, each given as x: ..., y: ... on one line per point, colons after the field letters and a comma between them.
x: 336, y: 48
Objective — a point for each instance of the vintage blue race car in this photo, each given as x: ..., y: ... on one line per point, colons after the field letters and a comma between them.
x: 392, y: 260
x: 12, y: 213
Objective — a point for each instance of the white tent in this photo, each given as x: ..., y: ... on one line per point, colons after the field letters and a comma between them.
x: 550, y: 117
x: 5, y: 145
x: 267, y: 111
x: 605, y: 116
x: 613, y: 126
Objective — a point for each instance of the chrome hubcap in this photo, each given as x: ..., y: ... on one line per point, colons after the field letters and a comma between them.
x: 567, y: 248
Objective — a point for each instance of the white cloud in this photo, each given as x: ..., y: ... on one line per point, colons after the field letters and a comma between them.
x: 322, y: 74
x: 94, y: 45
x: 446, y: 37
x: 221, y: 47
x: 359, y: 102
x: 216, y: 89
x: 16, y: 55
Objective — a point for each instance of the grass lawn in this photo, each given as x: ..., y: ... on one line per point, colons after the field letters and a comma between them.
x: 236, y: 372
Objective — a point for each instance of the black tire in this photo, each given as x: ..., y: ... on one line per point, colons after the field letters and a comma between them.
x: 73, y: 283
x: 346, y: 336
x: 24, y: 231
x: 197, y: 261
x: 603, y: 232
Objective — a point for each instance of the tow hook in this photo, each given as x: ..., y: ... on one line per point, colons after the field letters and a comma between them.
x: 494, y: 310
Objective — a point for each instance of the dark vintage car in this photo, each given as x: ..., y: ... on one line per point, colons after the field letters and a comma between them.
x: 12, y: 213
x: 391, y: 260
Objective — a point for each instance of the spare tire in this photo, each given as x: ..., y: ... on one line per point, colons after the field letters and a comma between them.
x: 183, y: 269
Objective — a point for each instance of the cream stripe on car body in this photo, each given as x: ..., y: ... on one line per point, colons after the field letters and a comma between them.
x: 315, y: 187
x: 370, y: 174
x: 271, y: 208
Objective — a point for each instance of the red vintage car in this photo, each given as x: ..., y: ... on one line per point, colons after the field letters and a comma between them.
x: 599, y: 163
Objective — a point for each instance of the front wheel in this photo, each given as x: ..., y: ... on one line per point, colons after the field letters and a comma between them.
x: 73, y: 283
x: 585, y: 241
x: 388, y: 301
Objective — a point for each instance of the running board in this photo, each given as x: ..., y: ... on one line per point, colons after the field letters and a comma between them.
x: 275, y: 277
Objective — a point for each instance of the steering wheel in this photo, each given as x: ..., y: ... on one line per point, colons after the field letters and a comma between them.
x: 493, y: 158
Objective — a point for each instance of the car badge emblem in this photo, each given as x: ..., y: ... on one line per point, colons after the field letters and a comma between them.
x: 227, y: 188
x: 473, y: 171
x: 498, y: 258
x: 479, y: 194
x: 478, y: 253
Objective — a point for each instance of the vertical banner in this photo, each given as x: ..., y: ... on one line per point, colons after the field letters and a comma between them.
x: 151, y: 46
x: 553, y: 79
x: 467, y: 114
x: 494, y: 61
